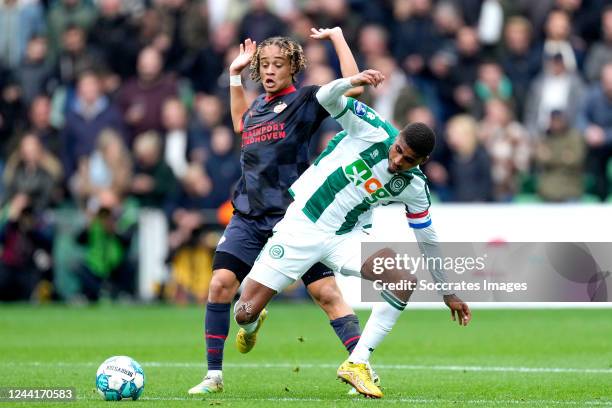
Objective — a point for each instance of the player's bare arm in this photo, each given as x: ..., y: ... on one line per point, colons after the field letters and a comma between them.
x: 348, y: 65
x: 238, y: 100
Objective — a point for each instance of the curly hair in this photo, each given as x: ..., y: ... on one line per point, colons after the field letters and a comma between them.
x: 420, y: 138
x: 289, y: 48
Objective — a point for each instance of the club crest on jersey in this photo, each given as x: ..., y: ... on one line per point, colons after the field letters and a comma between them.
x: 360, y: 108
x: 279, y: 107
x: 397, y: 184
x: 277, y: 251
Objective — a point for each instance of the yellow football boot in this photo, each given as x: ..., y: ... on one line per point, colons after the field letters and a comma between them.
x: 358, y: 375
x: 246, y: 341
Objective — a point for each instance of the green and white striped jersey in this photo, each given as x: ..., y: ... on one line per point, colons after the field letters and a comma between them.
x: 350, y: 178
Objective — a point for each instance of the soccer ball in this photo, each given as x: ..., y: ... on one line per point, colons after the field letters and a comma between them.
x: 120, y: 377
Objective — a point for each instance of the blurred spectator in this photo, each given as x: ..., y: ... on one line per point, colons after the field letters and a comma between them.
x: 207, y: 65
x: 114, y: 36
x: 559, y: 157
x: 435, y: 167
x: 469, y: 168
x: 396, y: 95
x: 601, y: 52
x: 67, y: 13
x: 223, y: 165
x: 468, y: 60
x: 153, y: 181
x: 595, y: 121
x: 559, y: 40
x: 373, y: 42
x: 12, y: 114
x: 260, y: 23
x: 414, y: 35
x: 229, y: 11
x: 185, y: 23
x: 185, y: 208
x: 20, y: 20
x: 536, y: 12
x: 507, y: 143
x: 470, y: 10
x: 210, y: 111
x: 491, y: 83
x: 181, y: 145
x: 107, y: 238
x: 26, y: 242
x: 584, y: 16
x: 445, y: 81
x: 75, y: 57
x: 141, y: 98
x: 33, y: 172
x: 40, y: 125
x: 448, y: 21
x: 88, y: 115
x: 108, y: 168
x: 332, y: 13
x: 315, y: 53
x: 520, y: 58
x: 36, y: 70
x: 556, y: 88
x: 151, y: 33
x: 490, y: 22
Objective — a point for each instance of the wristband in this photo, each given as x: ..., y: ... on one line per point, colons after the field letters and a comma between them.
x: 235, y: 80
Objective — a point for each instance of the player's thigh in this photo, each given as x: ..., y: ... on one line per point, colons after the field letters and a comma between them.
x: 285, y: 258
x: 241, y: 244
x: 344, y: 253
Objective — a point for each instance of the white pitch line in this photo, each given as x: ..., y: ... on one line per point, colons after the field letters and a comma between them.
x: 170, y: 364
x: 486, y: 402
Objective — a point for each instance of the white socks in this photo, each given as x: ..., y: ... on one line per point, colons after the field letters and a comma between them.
x: 214, y: 373
x: 381, y: 321
x: 250, y: 327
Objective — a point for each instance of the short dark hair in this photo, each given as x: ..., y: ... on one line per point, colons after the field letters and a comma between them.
x: 420, y: 138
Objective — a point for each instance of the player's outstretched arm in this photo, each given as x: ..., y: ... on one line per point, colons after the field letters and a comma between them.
x: 348, y: 65
x: 238, y: 102
x: 428, y: 244
x: 331, y: 95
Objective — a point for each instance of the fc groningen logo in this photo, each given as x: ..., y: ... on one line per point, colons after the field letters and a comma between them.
x: 276, y: 251
x: 397, y: 184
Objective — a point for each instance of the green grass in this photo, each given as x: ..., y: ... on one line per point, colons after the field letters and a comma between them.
x: 437, y: 363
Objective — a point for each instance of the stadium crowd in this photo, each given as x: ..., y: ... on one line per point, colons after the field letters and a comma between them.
x: 107, y: 106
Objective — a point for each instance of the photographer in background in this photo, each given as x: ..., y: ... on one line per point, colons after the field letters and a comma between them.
x: 25, y: 262
x: 107, y: 238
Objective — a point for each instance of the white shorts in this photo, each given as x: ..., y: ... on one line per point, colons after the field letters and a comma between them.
x: 297, y: 244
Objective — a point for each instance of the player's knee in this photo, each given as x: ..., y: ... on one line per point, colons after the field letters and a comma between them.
x: 221, y: 289
x: 328, y: 297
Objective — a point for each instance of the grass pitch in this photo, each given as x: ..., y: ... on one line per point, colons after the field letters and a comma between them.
x: 504, y: 358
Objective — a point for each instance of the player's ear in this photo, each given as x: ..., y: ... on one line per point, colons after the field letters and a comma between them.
x: 425, y: 159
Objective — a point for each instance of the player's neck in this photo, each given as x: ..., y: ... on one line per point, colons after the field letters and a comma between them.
x: 285, y: 91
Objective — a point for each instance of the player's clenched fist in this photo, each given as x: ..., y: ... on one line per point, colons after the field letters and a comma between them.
x: 367, y: 77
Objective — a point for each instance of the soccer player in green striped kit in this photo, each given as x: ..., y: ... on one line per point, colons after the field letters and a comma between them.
x: 367, y: 164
